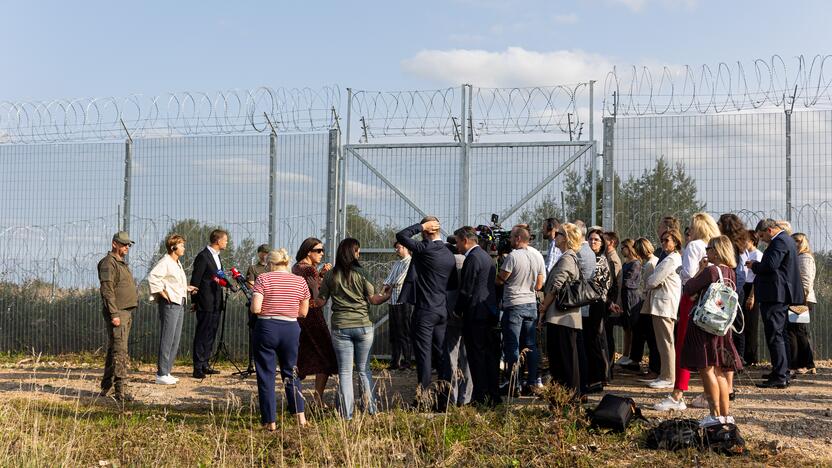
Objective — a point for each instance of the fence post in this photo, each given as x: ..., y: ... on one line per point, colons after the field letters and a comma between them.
x: 608, y: 206
x: 594, y: 155
x: 272, y: 191
x: 332, y: 194
x: 128, y: 175
x: 788, y: 165
x: 464, y: 169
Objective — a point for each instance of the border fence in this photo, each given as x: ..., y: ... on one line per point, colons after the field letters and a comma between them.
x: 277, y: 166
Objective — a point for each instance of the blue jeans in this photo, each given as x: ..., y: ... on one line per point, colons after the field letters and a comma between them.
x: 520, y: 322
x: 352, y: 345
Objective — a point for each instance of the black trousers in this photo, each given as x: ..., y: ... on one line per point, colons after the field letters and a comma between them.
x: 428, y: 329
x: 400, y: 339
x: 751, y: 355
x: 739, y: 324
x: 207, y: 323
x: 775, y: 319
x: 482, y: 346
x: 643, y: 334
x: 564, y: 356
x: 800, y: 346
x: 595, y: 345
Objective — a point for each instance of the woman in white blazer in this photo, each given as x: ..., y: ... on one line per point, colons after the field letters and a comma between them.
x: 665, y: 288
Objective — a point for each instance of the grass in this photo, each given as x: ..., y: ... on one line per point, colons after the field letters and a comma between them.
x: 82, y: 431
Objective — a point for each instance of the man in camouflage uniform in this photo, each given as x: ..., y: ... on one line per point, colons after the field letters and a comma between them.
x: 120, y: 299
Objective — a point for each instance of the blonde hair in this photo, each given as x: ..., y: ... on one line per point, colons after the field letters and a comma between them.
x: 279, y: 257
x: 574, y: 239
x: 724, y: 252
x: 644, y: 248
x: 802, y: 242
x: 703, y: 227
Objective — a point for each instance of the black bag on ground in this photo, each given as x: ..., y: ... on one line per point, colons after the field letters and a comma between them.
x: 724, y: 439
x: 615, y: 412
x: 675, y: 434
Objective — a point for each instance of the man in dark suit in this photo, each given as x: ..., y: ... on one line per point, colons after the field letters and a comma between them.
x: 431, y: 273
x: 477, y: 305
x: 776, y: 286
x: 208, y: 302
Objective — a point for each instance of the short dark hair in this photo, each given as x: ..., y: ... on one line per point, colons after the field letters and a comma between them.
x: 611, y: 238
x: 600, y: 233
x: 752, y: 236
x: 216, y: 235
x: 522, y: 233
x: 467, y: 232
x: 767, y: 223
x: 550, y: 223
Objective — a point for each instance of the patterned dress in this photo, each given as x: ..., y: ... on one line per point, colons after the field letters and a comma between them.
x: 315, y: 354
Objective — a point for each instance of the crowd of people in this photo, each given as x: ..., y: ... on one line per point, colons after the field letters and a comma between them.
x: 473, y: 316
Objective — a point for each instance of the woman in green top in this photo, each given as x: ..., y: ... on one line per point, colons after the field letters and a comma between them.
x: 352, y: 330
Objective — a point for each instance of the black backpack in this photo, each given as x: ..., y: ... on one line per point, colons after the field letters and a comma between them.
x: 724, y: 439
x: 615, y: 412
x: 675, y: 434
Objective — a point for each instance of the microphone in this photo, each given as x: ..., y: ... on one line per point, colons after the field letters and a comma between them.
x: 221, y: 279
x: 241, y: 282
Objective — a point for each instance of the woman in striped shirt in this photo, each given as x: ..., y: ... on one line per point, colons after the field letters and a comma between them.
x: 278, y: 299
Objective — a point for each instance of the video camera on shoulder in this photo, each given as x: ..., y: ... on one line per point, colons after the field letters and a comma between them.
x: 494, y: 239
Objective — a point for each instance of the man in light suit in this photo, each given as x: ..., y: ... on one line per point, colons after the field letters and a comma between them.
x: 208, y: 302
x: 477, y: 305
x: 776, y: 286
x: 431, y: 274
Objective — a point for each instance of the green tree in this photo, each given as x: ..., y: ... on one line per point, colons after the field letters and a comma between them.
x: 197, y: 236
x: 640, y: 201
x: 367, y: 230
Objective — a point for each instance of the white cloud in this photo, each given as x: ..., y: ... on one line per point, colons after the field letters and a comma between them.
x: 571, y: 18
x: 639, y: 5
x: 513, y: 67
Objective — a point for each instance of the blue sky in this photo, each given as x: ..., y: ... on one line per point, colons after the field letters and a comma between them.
x: 60, y: 49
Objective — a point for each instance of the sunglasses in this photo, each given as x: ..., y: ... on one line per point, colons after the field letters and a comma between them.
x: 560, y: 234
x: 317, y: 250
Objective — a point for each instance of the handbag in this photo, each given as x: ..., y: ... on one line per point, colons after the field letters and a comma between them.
x: 799, y: 309
x: 717, y: 308
x: 578, y: 293
x: 615, y: 412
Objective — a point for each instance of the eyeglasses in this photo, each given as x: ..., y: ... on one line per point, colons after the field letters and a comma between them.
x: 317, y: 250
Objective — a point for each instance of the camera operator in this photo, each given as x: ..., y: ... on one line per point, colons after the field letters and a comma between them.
x: 522, y: 274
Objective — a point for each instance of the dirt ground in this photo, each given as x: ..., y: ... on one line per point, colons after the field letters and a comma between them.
x: 798, y: 418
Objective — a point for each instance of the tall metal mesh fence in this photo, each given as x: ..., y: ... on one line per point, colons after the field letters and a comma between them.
x: 729, y: 163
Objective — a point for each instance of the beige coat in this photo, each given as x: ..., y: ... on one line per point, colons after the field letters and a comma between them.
x: 665, y: 287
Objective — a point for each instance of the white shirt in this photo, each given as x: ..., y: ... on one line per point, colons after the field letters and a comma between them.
x: 396, y: 278
x: 693, y: 253
x: 553, y: 256
x: 754, y: 256
x: 469, y: 250
x: 168, y: 276
x: 216, y: 255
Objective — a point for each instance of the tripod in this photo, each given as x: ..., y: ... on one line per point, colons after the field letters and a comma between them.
x: 250, y: 369
x: 222, y: 348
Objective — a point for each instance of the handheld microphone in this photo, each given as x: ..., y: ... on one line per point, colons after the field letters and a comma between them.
x: 221, y: 279
x: 241, y: 282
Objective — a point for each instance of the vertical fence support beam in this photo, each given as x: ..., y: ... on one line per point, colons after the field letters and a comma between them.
x: 272, y: 189
x: 464, y: 167
x: 594, y: 155
x: 608, y: 206
x: 341, y: 226
x: 789, y: 165
x: 128, y: 175
x: 332, y: 194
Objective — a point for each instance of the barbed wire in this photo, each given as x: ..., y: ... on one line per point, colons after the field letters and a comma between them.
x: 170, y: 114
x: 492, y: 111
x: 766, y: 83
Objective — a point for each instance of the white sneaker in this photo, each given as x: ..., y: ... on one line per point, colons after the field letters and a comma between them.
x: 624, y: 361
x: 729, y: 420
x: 669, y: 404
x: 165, y: 380
x: 660, y: 383
x: 700, y: 402
x: 709, y: 421
x: 175, y: 379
